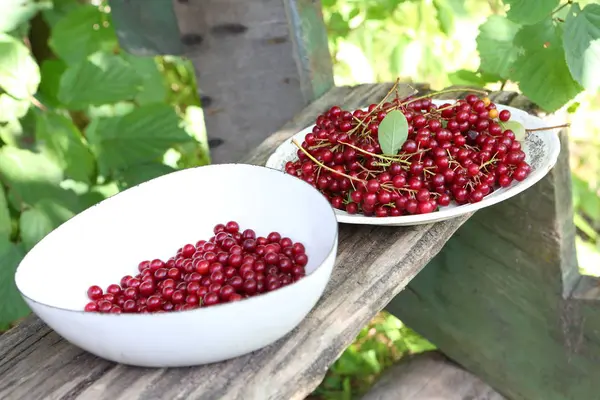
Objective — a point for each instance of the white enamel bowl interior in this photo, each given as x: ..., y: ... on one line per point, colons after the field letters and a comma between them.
x: 541, y: 149
x: 153, y: 220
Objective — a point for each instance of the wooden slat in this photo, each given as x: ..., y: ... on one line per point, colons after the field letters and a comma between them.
x: 430, y: 376
x: 373, y: 265
x: 258, y: 63
x: 505, y: 298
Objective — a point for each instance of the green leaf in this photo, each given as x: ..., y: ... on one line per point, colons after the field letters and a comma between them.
x: 466, y: 77
x: 5, y: 220
x: 573, y: 107
x: 584, y: 226
x: 142, y: 173
x: 136, y: 138
x: 22, y: 166
x: 19, y: 132
x: 397, y: 56
x: 193, y: 123
x: 40, y: 220
x: 111, y: 110
x: 495, y: 45
x: 338, y: 25
x: 98, y: 193
x: 52, y: 71
x: 529, y: 12
x: 12, y: 306
x: 516, y: 127
x: 62, y: 142
x: 541, y: 69
x: 102, y: 78
x: 19, y: 73
x: 59, y: 10
x: 32, y: 178
x: 582, y: 45
x: 83, y: 31
x: 445, y: 16
x: 17, y: 12
x: 11, y: 108
x: 153, y: 89
x: 393, y: 131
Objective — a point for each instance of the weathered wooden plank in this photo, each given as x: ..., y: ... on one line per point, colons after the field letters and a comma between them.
x: 258, y: 64
x: 429, y: 376
x: 373, y: 265
x: 505, y: 298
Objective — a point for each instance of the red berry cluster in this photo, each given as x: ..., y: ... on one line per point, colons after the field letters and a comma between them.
x: 456, y: 152
x: 230, y: 266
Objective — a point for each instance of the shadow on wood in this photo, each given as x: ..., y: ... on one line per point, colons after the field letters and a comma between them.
x: 430, y: 376
x: 505, y: 299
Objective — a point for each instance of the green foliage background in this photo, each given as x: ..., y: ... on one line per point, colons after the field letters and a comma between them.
x: 81, y: 120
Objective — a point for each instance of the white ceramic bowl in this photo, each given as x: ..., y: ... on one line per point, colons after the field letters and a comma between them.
x: 153, y: 220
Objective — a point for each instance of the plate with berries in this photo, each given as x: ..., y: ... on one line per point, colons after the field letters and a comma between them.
x: 415, y: 160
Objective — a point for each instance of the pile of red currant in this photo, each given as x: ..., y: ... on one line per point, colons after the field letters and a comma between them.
x: 458, y: 152
x: 230, y: 266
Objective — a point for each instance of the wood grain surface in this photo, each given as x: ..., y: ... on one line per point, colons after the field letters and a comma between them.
x: 257, y: 65
x: 373, y: 265
x: 430, y: 376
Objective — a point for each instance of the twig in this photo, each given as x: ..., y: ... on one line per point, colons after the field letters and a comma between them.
x: 323, y: 165
x: 549, y: 128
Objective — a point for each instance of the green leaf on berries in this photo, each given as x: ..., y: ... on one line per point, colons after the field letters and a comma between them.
x: 529, y: 12
x: 83, y: 31
x: 102, y: 78
x: 582, y: 45
x: 516, y: 127
x: 12, y: 306
x: 62, y: 142
x: 495, y: 45
x: 541, y: 69
x: 445, y: 16
x: 19, y: 73
x: 138, y: 137
x: 5, y: 221
x: 393, y: 132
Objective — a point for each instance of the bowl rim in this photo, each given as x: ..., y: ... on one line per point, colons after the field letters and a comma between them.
x: 200, y: 309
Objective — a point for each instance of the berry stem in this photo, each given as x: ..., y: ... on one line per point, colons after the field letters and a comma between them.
x: 388, y: 158
x: 426, y: 96
x: 320, y: 164
x: 366, y: 117
x: 549, y: 128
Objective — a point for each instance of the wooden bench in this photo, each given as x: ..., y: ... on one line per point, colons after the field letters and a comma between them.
x: 501, y: 297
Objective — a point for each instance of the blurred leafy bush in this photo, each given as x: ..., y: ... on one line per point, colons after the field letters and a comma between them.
x: 79, y: 121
